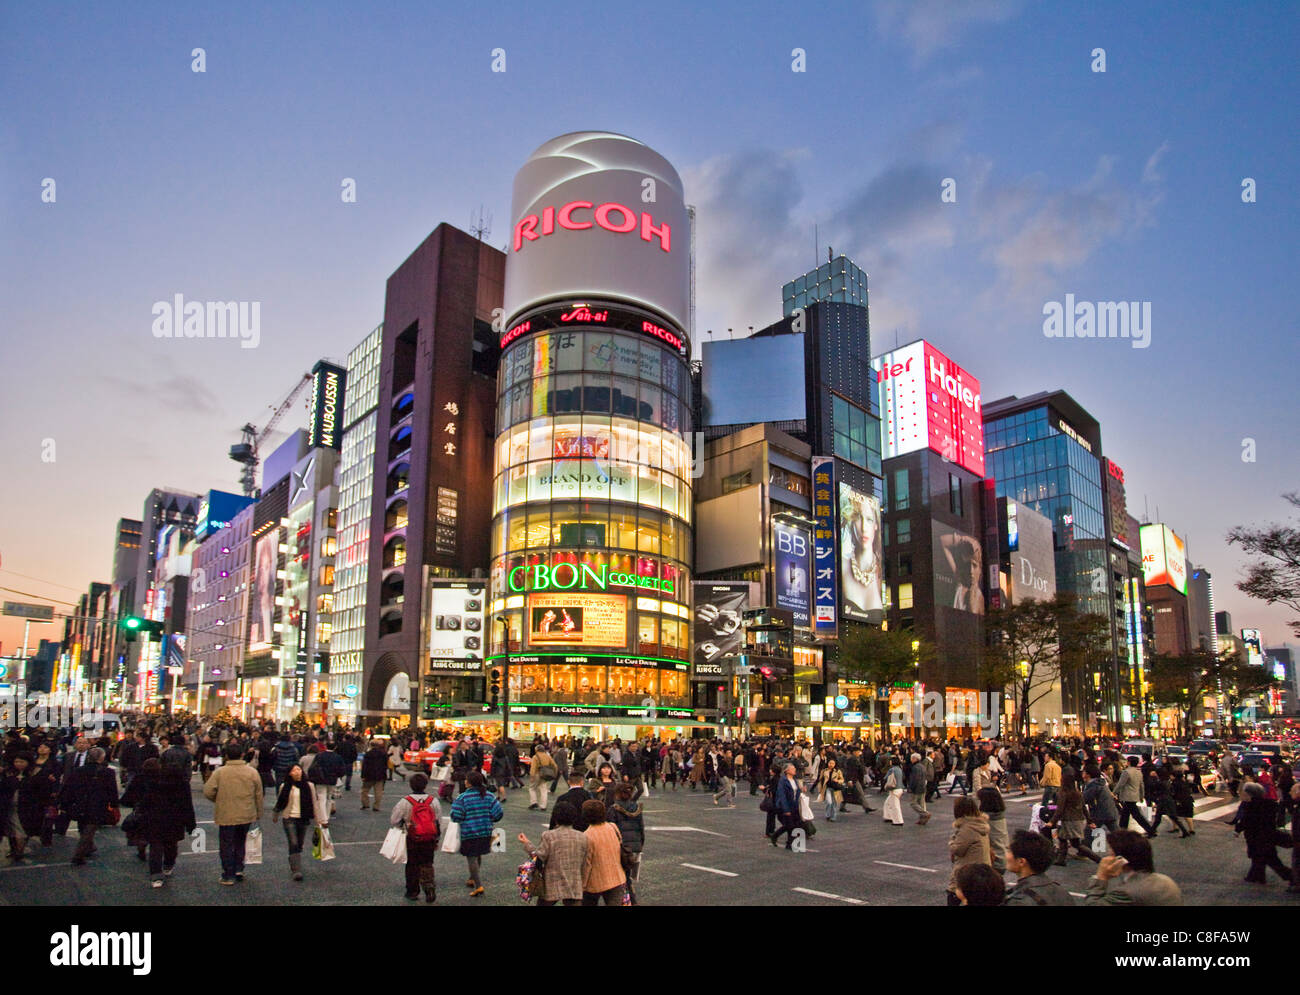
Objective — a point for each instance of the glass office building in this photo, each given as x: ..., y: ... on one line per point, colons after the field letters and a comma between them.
x: 839, y: 279
x: 1045, y: 452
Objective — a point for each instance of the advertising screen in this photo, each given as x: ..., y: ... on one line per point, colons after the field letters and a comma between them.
x: 456, y: 625
x: 262, y: 602
x: 791, y: 550
x: 1116, y: 503
x: 861, y: 556
x: 825, y: 567
x: 927, y: 400
x: 733, y: 369
x: 719, y: 619
x: 1164, y: 557
x: 577, y: 620
x: 1033, y: 559
x: 958, y: 564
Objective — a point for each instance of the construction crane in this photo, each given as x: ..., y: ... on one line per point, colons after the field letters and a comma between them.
x: 246, y: 451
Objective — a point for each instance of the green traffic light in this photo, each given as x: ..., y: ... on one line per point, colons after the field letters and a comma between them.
x: 132, y: 622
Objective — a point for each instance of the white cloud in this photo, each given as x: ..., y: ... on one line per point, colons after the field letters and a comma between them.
x: 931, y: 25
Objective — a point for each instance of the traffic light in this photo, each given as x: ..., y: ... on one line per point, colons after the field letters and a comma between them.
x: 133, y: 625
x: 494, y: 688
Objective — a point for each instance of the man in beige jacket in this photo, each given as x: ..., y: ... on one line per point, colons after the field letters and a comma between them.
x: 236, y: 790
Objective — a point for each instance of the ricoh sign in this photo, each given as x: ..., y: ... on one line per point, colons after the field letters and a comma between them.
x: 598, y: 215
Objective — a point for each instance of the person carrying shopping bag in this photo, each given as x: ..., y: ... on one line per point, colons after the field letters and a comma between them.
x: 893, y: 787
x: 418, y: 813
x: 474, y: 812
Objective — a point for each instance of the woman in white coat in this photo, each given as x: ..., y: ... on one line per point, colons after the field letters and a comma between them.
x: 894, y: 793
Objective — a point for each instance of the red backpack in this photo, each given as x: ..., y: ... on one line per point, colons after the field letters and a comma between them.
x: 422, y: 824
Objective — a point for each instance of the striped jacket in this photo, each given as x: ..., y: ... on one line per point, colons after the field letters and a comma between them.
x: 476, y: 812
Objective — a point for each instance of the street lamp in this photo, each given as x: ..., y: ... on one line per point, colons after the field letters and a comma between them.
x: 505, y: 675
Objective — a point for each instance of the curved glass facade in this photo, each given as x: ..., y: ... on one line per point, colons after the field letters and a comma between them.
x: 591, y: 528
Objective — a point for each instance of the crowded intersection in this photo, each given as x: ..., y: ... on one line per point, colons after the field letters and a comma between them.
x: 183, y: 814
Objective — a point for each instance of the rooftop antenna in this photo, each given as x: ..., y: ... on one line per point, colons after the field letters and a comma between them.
x: 751, y: 329
x: 817, y: 247
x: 481, y: 226
x: 729, y: 335
x: 830, y: 253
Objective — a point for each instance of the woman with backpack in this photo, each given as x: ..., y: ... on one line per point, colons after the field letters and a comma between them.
x: 475, y: 810
x: 541, y: 772
x: 418, y: 813
x: 628, y: 815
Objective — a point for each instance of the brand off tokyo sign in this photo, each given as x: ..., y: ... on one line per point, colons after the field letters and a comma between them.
x: 599, y: 215
x: 928, y: 401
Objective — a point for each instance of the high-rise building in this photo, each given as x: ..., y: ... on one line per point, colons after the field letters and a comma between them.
x: 591, y: 534
x: 838, y: 279
x: 431, y: 506
x: 1044, y: 451
x: 940, y: 528
x: 356, y: 489
x: 1200, y: 606
x: 216, y: 624
x: 1164, y: 569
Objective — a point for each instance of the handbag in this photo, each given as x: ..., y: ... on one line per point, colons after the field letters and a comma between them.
x: 394, y: 848
x: 253, y: 846
x: 114, y: 815
x: 451, y: 838
x: 531, y: 879
x: 326, y: 845
x: 766, y: 805
x: 131, y: 825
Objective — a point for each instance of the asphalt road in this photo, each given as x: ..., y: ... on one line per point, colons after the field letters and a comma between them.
x: 696, y: 854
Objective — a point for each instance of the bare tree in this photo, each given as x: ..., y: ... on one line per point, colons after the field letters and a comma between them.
x: 1275, y: 579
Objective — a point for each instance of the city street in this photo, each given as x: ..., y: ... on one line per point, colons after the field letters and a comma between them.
x: 696, y: 854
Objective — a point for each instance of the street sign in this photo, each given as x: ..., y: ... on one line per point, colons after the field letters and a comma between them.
x: 842, y: 701
x: 851, y: 718
x: 22, y: 609
x: 351, y: 690
x: 4, y: 671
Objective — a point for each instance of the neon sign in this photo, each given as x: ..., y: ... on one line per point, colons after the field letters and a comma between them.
x: 628, y: 220
x: 579, y: 576
x: 582, y: 314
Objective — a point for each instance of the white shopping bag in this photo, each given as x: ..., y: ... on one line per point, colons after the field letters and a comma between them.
x: 1036, y: 819
x: 394, y: 847
x: 253, y: 846
x: 451, y: 838
x: 805, y: 808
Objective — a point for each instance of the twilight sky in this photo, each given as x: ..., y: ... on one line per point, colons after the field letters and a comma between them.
x: 225, y: 185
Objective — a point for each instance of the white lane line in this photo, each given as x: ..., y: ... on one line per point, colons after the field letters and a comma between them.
x: 906, y: 867
x: 1079, y: 894
x: 827, y: 894
x: 684, y: 829
x: 1217, y: 811
x: 711, y: 870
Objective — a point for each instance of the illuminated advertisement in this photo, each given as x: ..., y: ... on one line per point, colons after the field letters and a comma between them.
x: 579, y: 315
x: 262, y: 602
x: 577, y: 619
x: 325, y: 414
x: 825, y: 568
x: 1254, y: 646
x: 1033, y: 558
x: 928, y: 401
x: 791, y: 550
x: 1164, y: 557
x: 217, y: 510
x: 591, y: 572
x: 1116, y: 503
x: 958, y: 564
x: 719, y: 620
x: 583, y: 225
x: 861, y: 556
x: 456, y: 626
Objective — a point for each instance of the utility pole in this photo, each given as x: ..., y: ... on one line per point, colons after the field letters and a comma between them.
x: 505, y: 675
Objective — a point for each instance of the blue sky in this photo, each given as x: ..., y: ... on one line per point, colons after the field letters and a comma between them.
x: 225, y: 185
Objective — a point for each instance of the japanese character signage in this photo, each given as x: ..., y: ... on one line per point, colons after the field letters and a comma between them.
x: 825, y: 581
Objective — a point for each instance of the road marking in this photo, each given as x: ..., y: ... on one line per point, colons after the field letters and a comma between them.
x: 1216, y: 811
x: 906, y: 867
x: 1079, y: 894
x: 684, y: 829
x: 711, y: 870
x: 827, y: 894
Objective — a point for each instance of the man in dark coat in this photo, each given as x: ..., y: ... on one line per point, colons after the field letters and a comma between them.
x: 1257, y: 819
x: 575, y: 796
x: 160, y: 797
x: 88, y: 793
x: 374, y: 772
x: 347, y: 749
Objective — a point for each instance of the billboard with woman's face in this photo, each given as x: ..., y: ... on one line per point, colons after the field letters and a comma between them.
x: 958, y: 564
x: 861, y: 556
x: 261, y: 626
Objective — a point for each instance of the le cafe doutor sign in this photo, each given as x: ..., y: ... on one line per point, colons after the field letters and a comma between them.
x: 578, y: 577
